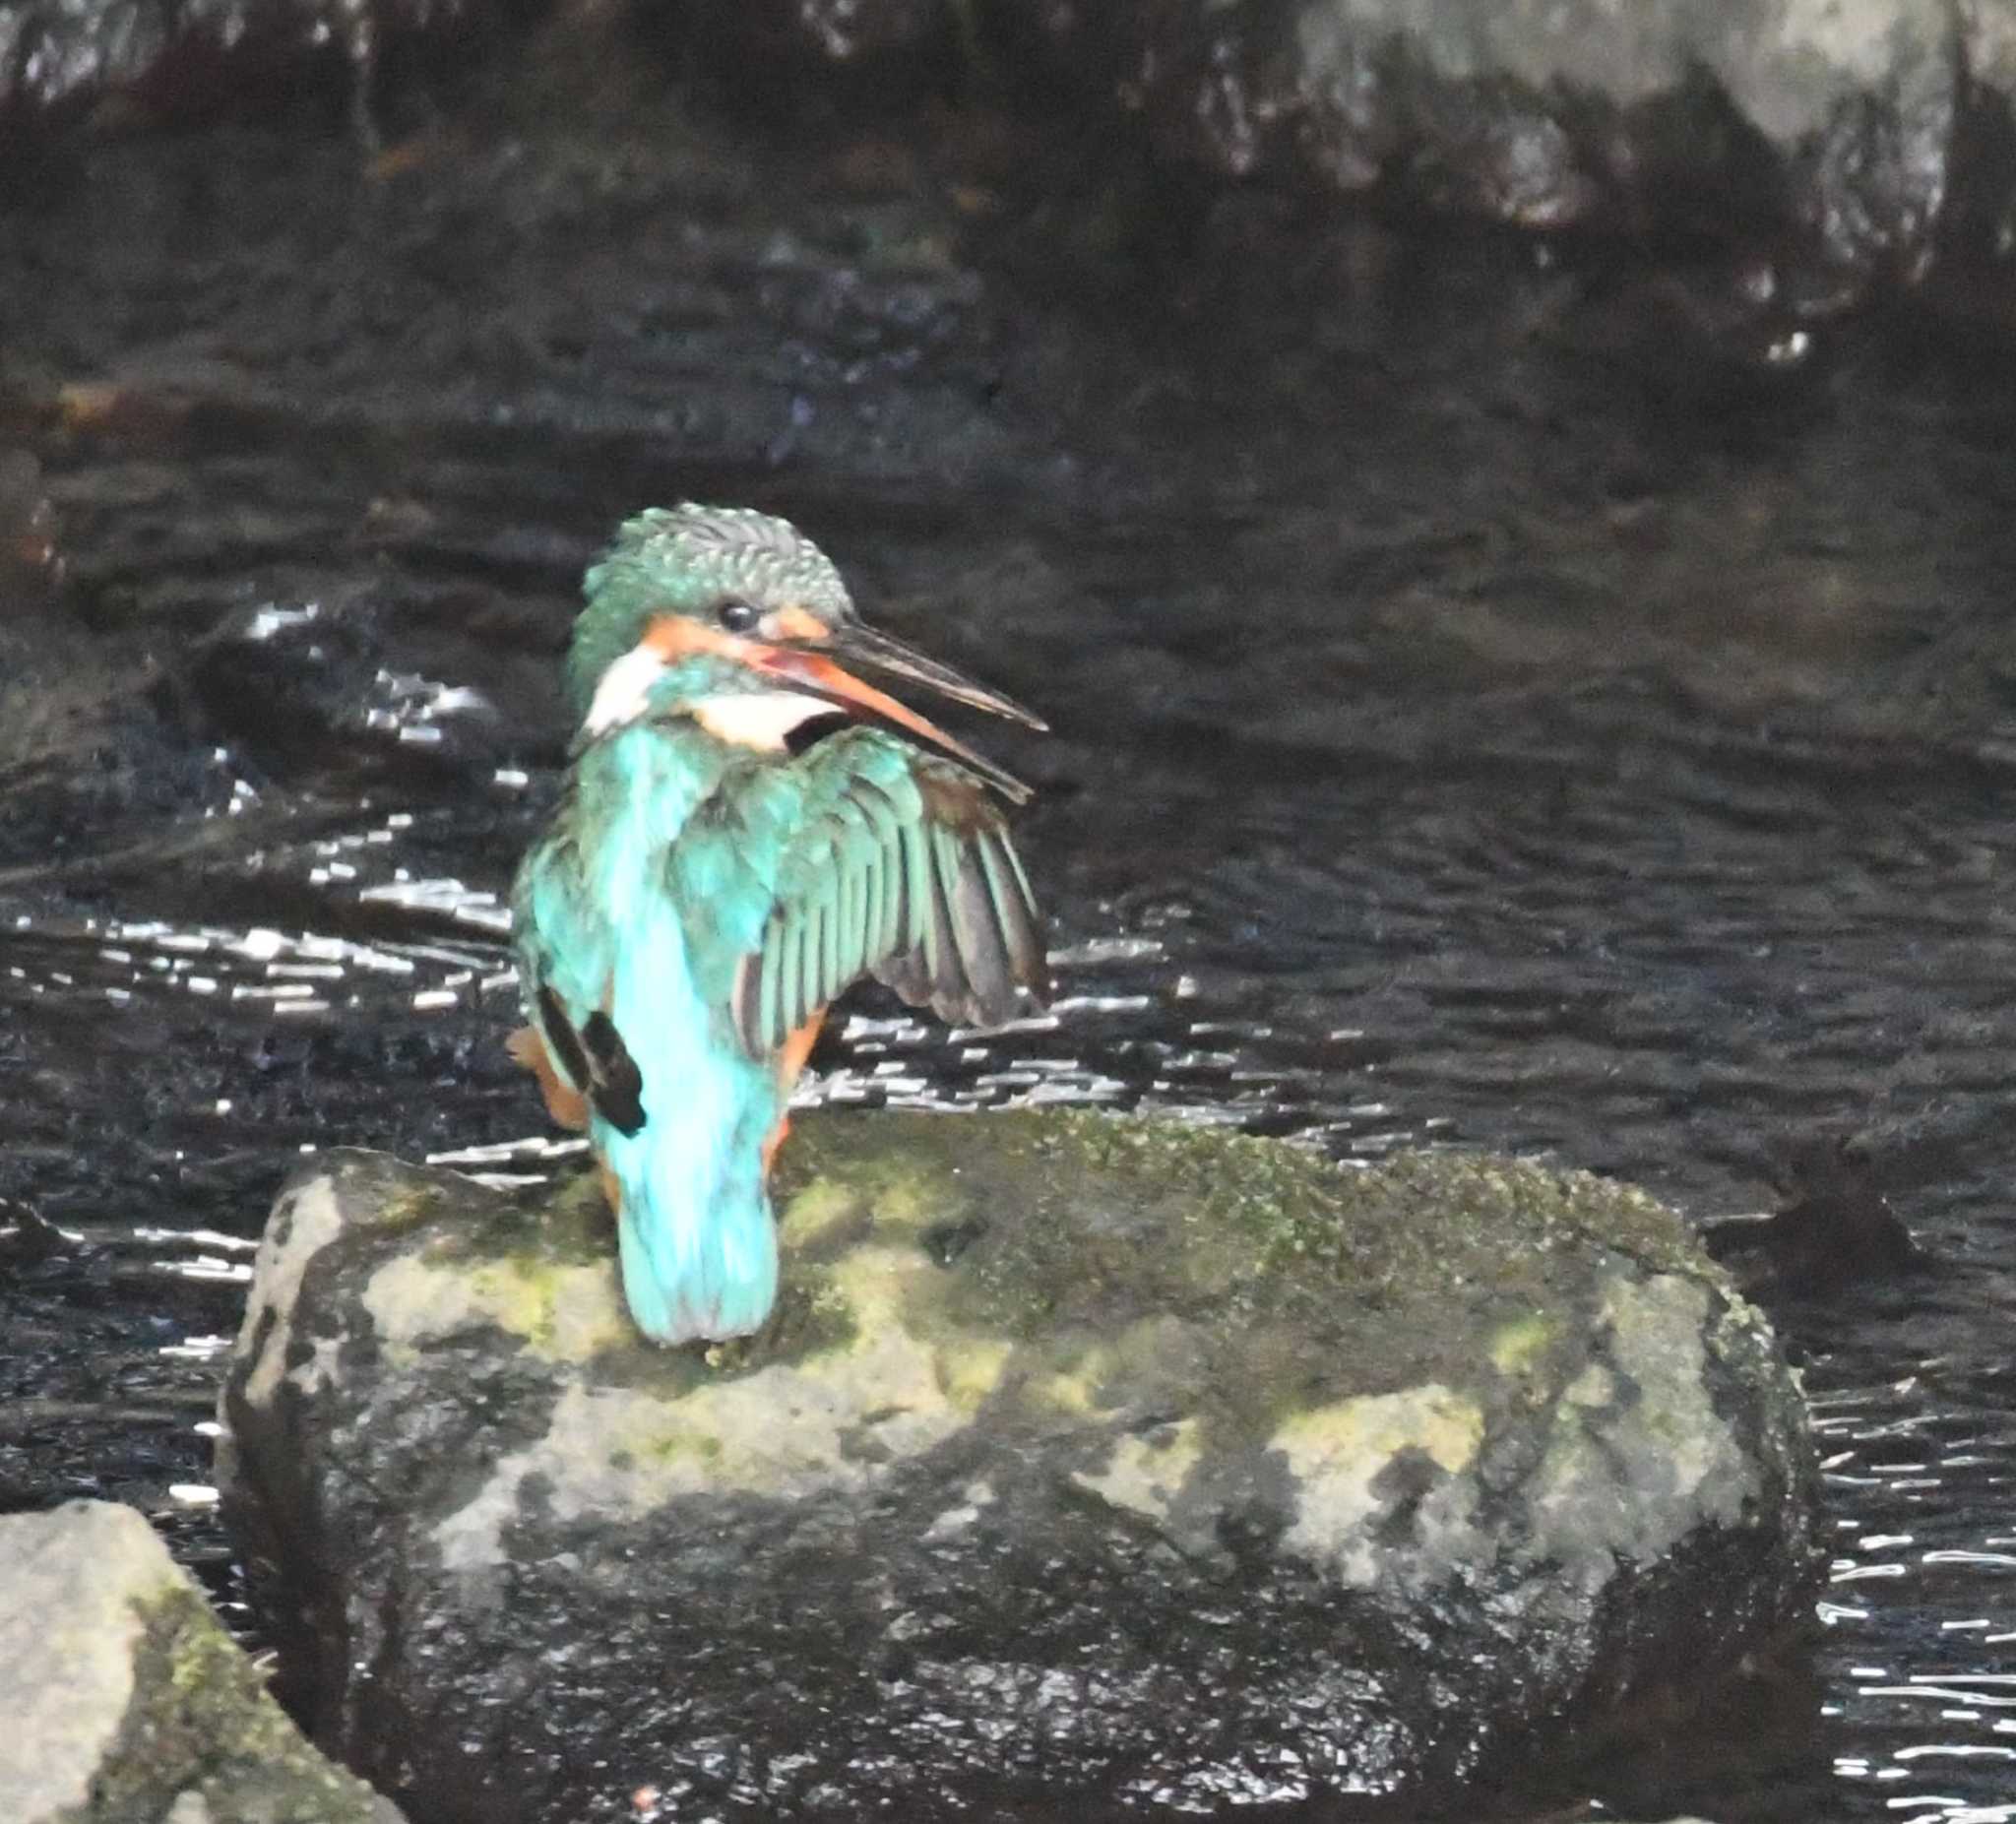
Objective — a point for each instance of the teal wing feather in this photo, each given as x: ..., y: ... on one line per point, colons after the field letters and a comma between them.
x: 563, y: 961
x: 900, y: 865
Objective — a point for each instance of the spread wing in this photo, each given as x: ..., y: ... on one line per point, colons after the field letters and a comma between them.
x: 901, y: 869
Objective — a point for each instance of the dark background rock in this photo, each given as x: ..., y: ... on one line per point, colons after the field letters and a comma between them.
x: 1833, y: 1226
x: 870, y: 54
x: 1863, y: 140
x: 1841, y: 146
x: 1085, y: 1462
x: 124, y: 65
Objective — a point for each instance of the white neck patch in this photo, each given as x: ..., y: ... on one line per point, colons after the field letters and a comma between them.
x: 624, y: 692
x: 758, y: 718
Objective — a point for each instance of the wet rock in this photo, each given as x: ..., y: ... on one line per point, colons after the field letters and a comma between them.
x: 132, y: 62
x: 1722, y: 339
x: 1834, y: 1229
x: 28, y: 1238
x: 1872, y: 138
x: 78, y: 735
x: 868, y: 50
x: 293, y: 686
x: 1872, y: 173
x: 126, y: 1700
x: 1107, y: 1457
x: 1847, y: 130
x: 29, y: 555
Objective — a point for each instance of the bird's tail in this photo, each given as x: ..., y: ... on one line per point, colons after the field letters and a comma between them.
x: 696, y: 1238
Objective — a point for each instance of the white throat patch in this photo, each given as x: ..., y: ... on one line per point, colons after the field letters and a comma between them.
x: 624, y: 692
x: 760, y: 719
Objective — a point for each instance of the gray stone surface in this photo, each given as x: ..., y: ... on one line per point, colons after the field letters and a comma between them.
x: 125, y: 1701
x: 1865, y: 135
x: 119, y: 63
x: 1873, y: 137
x: 1786, y: 63
x: 1110, y: 1459
x: 75, y: 1581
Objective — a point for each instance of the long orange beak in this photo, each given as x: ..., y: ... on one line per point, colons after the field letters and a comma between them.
x: 863, y: 646
x: 808, y: 663
x: 815, y: 668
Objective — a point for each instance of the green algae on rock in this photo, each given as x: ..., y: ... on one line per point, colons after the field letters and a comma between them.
x: 1175, y: 1464
x: 129, y: 1700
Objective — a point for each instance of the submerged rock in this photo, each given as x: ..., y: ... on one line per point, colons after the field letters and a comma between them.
x: 1088, y: 1458
x: 126, y: 1700
x: 1833, y: 1229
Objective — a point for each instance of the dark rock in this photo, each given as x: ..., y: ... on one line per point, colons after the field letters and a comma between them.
x: 885, y: 51
x: 138, y: 62
x: 1874, y: 176
x: 28, y: 1238
x: 1842, y: 134
x: 1835, y: 1227
x: 126, y: 1700
x: 1838, y: 149
x: 76, y: 734
x: 1871, y: 141
x: 29, y: 560
x: 290, y: 685
x: 1102, y: 1458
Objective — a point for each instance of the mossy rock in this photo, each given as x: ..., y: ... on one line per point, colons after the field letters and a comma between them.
x: 1142, y: 1460
x: 130, y: 1703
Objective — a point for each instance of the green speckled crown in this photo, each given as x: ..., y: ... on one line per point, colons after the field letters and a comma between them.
x: 684, y: 559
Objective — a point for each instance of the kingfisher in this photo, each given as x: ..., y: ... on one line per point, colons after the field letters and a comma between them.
x: 746, y: 828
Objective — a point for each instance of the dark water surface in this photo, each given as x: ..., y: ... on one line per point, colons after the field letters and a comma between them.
x: 1486, y: 717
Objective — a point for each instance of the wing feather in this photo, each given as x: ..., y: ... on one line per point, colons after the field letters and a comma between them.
x: 900, y: 867
x: 874, y: 872
x: 804, y: 960
x: 1008, y: 891
x: 771, y: 965
x: 982, y: 941
x: 593, y: 1060
x: 917, y: 888
x: 884, y: 838
x: 951, y: 991
x: 829, y: 917
x: 854, y: 957
x: 790, y: 947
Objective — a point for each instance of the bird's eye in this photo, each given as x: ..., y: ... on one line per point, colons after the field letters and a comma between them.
x: 738, y: 616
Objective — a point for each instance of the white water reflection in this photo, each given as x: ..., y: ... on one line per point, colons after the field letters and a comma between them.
x: 1918, y: 1449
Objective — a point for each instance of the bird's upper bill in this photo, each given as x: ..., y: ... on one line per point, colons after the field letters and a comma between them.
x: 812, y: 661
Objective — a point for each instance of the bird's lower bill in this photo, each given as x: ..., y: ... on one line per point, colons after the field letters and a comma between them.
x: 818, y: 673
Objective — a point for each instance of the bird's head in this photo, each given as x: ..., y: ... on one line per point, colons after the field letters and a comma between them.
x: 739, y: 620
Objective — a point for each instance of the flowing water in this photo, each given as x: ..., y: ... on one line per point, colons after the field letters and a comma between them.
x: 1482, y: 721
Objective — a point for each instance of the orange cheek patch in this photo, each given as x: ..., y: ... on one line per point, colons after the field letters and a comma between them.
x: 796, y: 623
x: 673, y: 637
